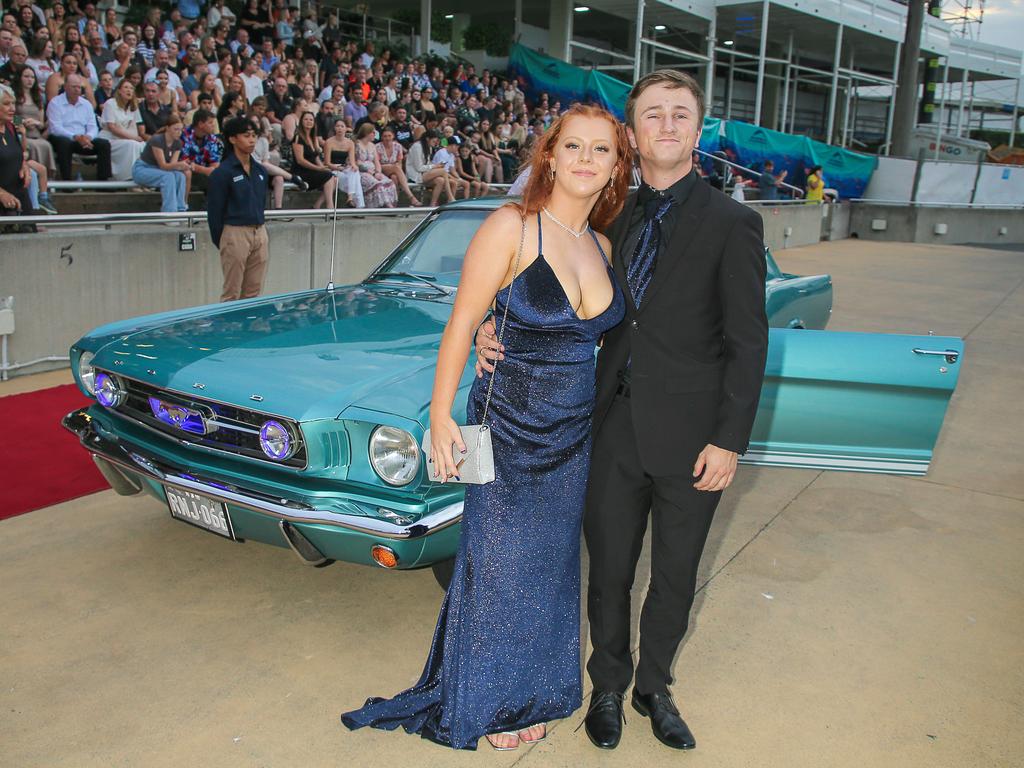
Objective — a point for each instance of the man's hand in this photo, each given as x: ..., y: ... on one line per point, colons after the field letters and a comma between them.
x: 718, y: 466
x: 82, y: 140
x: 487, y: 348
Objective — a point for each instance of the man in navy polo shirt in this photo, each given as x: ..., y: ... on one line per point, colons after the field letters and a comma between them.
x: 236, y: 198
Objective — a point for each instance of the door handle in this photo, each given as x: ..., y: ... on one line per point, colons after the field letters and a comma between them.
x: 951, y: 355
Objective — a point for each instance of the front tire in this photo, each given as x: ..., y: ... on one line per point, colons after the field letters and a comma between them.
x: 443, y: 572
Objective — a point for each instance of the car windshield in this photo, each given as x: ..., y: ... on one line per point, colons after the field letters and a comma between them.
x: 437, y: 251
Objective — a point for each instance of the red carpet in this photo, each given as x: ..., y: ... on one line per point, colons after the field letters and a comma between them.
x: 41, y: 463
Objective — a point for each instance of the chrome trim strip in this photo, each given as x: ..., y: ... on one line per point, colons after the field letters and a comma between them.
x: 134, y: 459
x: 914, y: 467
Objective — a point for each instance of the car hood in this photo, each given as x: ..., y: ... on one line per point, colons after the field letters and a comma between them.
x: 305, y: 356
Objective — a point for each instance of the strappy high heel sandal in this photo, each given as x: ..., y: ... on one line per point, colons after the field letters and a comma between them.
x: 543, y: 734
x: 508, y: 748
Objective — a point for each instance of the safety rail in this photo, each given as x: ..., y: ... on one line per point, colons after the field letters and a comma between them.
x: 743, y: 168
x: 909, y: 203
x: 191, y: 218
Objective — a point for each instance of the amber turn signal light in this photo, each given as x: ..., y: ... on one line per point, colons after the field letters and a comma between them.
x: 383, y: 556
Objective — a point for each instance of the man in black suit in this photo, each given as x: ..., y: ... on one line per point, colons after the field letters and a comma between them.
x: 678, y: 383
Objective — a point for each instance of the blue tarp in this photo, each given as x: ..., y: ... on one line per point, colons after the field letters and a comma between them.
x: 845, y: 171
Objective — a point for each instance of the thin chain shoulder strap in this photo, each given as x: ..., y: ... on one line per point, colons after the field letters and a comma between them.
x: 504, y: 320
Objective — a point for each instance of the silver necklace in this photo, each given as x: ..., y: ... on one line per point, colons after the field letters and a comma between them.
x: 566, y: 227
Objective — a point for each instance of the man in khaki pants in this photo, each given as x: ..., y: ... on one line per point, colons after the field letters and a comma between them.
x: 236, y: 198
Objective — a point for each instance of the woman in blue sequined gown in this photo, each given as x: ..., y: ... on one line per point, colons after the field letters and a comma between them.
x: 505, y: 658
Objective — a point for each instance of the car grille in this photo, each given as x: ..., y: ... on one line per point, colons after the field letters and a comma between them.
x: 236, y: 429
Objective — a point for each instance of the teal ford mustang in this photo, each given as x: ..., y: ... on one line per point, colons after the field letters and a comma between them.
x: 296, y: 419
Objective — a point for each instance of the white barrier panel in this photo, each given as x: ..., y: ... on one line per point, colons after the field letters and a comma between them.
x: 1000, y: 184
x: 945, y: 182
x: 893, y: 180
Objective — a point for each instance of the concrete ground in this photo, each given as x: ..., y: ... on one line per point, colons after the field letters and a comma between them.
x: 842, y: 619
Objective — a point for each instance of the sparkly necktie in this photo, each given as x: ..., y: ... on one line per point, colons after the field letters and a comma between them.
x: 641, y: 268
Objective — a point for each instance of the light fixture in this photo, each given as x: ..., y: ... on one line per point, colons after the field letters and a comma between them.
x: 727, y: 42
x: 581, y: 8
x: 449, y: 15
x: 86, y: 373
x: 660, y: 27
x: 276, y: 440
x: 110, y: 392
x: 394, y: 455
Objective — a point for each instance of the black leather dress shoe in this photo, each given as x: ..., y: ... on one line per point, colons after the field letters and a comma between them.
x: 669, y: 728
x: 605, y: 718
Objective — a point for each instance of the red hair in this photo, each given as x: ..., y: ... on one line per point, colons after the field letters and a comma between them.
x: 540, y: 185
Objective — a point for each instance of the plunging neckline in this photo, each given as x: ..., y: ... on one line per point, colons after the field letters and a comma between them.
x: 561, y: 288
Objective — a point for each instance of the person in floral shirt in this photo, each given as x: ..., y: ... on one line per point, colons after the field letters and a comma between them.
x: 201, y: 148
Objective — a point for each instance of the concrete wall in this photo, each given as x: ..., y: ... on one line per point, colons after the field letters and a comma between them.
x: 66, y: 282
x: 802, y: 221
x: 913, y: 224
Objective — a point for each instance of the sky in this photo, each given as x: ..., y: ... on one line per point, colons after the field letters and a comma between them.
x: 1002, y: 22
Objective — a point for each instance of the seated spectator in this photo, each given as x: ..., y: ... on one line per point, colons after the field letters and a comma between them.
x: 205, y: 101
x: 285, y: 32
x: 279, y: 101
x: 269, y: 159
x: 165, y: 94
x: 326, y: 118
x: 401, y: 127
x: 466, y: 169
x: 73, y: 129
x: 154, y: 113
x: 207, y: 87
x: 355, y: 109
x: 340, y: 153
x: 110, y: 26
x: 18, y: 57
x: 232, y: 105
x: 252, y: 79
x: 42, y: 61
x: 218, y: 11
x: 201, y: 148
x: 149, y: 43
x: 309, y: 163
x: 162, y: 63
x: 420, y: 170
x: 14, y: 172
x: 190, y: 9
x: 55, y: 83
x: 487, y: 144
x: 445, y: 157
x: 105, y: 90
x: 391, y: 155
x: 123, y: 59
x: 99, y: 55
x: 120, y: 122
x: 160, y: 166
x: 240, y: 45
x: 29, y: 107
x: 378, y: 190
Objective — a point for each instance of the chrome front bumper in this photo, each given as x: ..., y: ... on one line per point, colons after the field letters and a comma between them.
x: 119, y: 455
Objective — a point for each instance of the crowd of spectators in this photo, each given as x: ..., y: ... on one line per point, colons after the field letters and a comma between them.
x: 335, y: 113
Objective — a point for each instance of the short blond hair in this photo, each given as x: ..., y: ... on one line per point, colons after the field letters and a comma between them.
x: 671, y: 78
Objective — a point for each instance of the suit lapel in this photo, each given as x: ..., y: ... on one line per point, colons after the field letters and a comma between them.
x: 682, y: 237
x: 619, y: 256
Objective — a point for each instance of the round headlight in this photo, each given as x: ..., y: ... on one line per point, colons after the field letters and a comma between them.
x: 277, y: 440
x: 86, y: 373
x: 110, y: 392
x: 394, y: 454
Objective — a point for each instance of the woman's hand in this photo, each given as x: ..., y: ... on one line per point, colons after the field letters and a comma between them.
x: 444, y: 433
x: 9, y: 201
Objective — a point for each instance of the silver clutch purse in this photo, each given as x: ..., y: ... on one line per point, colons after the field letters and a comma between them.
x: 476, y: 465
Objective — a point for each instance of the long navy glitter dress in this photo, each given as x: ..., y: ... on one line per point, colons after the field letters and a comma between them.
x: 506, y: 651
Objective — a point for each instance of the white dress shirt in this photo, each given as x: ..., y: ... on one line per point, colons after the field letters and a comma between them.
x: 70, y: 120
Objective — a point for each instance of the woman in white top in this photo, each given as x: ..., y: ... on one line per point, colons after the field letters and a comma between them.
x: 218, y: 10
x: 421, y: 171
x: 120, y: 122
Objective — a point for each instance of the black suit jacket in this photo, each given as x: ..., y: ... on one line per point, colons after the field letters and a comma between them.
x: 700, y: 338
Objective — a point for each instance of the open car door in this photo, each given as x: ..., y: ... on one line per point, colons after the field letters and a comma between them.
x: 861, y: 402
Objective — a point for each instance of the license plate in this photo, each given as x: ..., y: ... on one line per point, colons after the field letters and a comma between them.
x: 199, y: 510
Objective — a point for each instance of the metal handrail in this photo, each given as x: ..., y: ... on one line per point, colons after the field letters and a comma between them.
x: 743, y: 168
x: 192, y: 218
x: 992, y: 206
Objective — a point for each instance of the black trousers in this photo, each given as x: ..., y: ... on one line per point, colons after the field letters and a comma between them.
x: 621, y: 497
x: 64, y: 147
